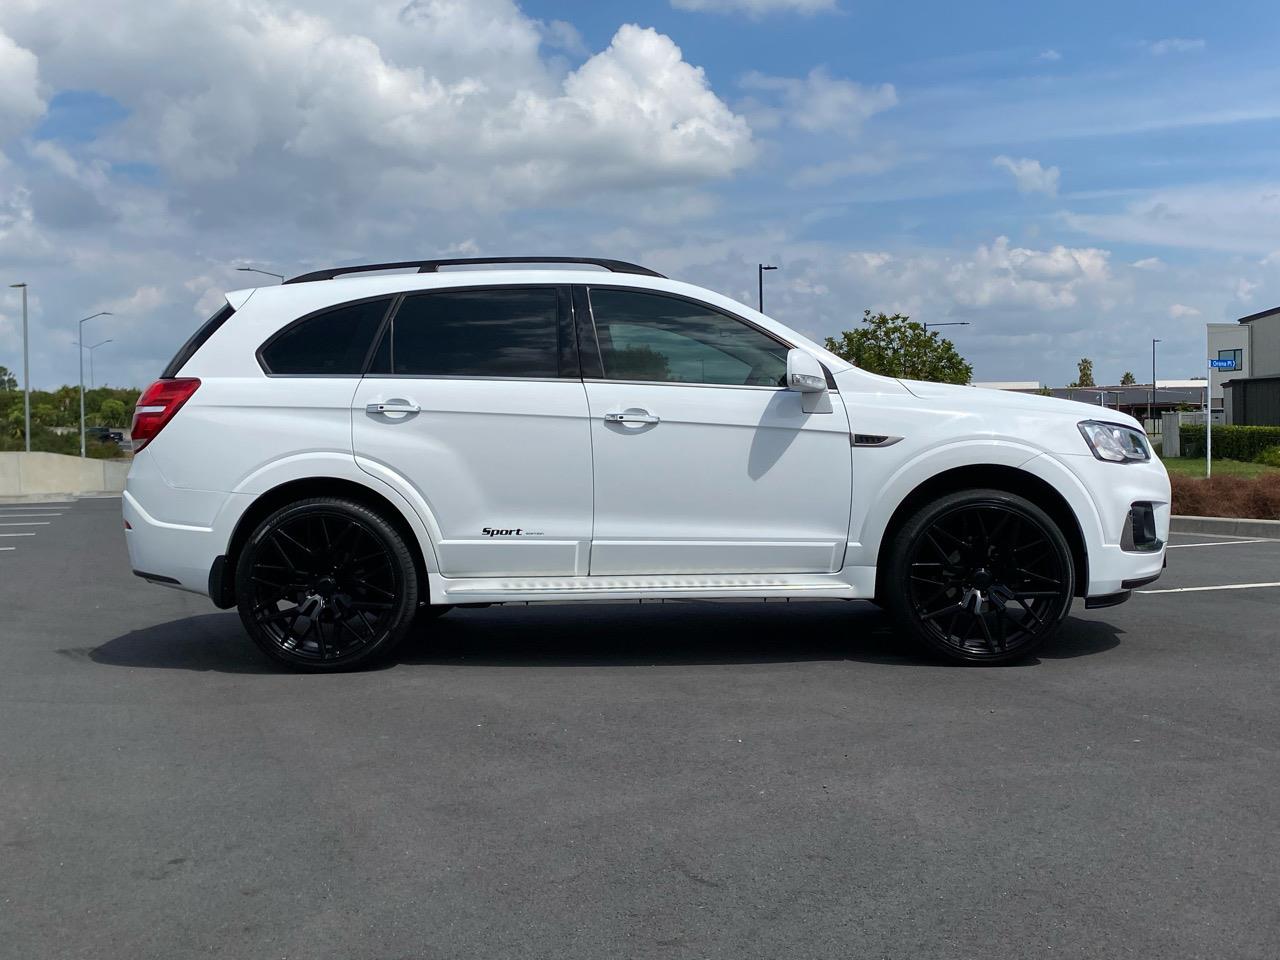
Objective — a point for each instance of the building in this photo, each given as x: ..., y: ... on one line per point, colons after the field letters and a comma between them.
x: 1250, y: 391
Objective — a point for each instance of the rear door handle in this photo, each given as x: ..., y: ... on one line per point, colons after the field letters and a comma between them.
x: 393, y: 406
x: 641, y: 417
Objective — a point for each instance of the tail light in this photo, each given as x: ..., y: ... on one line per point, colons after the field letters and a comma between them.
x: 157, y: 405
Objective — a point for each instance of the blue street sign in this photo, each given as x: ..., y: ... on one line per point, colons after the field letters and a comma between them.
x: 1222, y: 364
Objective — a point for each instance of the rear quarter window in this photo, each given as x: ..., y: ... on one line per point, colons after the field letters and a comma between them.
x: 334, y: 342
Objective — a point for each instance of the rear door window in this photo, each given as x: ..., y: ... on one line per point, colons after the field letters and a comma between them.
x: 505, y: 332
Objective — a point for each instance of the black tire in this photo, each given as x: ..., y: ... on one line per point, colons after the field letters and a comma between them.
x: 979, y: 577
x: 326, y: 584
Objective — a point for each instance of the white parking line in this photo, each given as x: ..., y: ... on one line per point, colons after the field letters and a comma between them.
x: 8, y: 548
x: 1225, y: 586
x: 26, y: 523
x: 1179, y: 533
x: 27, y: 516
x: 17, y: 534
x: 1216, y: 543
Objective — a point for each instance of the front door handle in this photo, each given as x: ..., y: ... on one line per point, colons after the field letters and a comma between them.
x: 640, y: 416
x: 393, y: 406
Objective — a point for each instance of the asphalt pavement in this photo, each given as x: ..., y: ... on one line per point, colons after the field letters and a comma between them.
x: 711, y: 780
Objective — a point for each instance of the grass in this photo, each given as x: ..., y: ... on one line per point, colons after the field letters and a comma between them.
x: 1194, y: 467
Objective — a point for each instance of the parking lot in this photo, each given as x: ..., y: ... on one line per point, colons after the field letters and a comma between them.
x: 619, y: 780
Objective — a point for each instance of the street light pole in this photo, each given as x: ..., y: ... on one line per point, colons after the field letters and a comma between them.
x: 26, y: 371
x: 80, y: 340
x: 92, y: 380
x: 760, y: 278
x: 278, y: 276
x: 1151, y: 405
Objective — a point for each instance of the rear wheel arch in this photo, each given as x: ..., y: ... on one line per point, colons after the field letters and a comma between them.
x: 222, y: 578
x: 994, y: 477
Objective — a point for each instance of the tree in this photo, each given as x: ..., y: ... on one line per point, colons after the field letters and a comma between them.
x: 1085, y: 375
x: 7, y: 380
x: 1128, y: 379
x: 897, y: 346
x: 112, y: 413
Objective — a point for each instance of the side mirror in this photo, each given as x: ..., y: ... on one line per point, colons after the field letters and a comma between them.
x: 804, y: 373
x: 806, y: 376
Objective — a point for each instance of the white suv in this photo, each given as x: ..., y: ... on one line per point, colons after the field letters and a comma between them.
x: 337, y: 457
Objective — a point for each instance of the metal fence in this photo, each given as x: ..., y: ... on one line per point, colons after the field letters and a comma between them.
x: 1255, y: 401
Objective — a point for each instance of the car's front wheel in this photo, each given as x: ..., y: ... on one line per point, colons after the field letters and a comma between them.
x: 326, y: 584
x: 979, y: 576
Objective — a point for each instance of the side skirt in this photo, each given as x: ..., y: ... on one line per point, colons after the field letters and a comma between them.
x: 835, y: 586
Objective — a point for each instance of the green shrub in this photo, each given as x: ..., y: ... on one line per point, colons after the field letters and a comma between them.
x: 1229, y: 443
x: 1270, y: 457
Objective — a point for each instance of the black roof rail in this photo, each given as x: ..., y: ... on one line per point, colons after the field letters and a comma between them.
x: 433, y: 266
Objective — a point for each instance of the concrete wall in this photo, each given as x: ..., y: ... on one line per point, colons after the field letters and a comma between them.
x: 29, y: 473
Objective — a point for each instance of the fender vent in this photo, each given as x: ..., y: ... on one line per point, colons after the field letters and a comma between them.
x: 873, y: 440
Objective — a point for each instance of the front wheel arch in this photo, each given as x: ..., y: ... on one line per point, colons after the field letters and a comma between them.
x: 992, y: 477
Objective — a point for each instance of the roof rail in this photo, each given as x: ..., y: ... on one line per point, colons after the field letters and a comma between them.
x: 433, y: 266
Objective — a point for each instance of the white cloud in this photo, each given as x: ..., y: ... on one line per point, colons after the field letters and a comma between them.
x: 1029, y: 175
x: 757, y: 8
x: 1180, y: 310
x: 20, y: 100
x: 1243, y: 218
x: 1149, y: 263
x: 443, y: 102
x: 1050, y: 55
x: 1159, y: 48
x: 817, y: 103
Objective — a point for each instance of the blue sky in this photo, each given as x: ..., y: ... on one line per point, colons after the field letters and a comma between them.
x: 1070, y: 180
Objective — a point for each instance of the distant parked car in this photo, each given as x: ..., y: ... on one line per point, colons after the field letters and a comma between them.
x: 103, y: 435
x: 339, y: 456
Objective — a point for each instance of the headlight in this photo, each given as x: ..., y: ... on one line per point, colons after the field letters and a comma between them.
x: 1110, y: 441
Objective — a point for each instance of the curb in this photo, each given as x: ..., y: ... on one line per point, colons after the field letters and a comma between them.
x: 1226, y: 526
x: 17, y: 498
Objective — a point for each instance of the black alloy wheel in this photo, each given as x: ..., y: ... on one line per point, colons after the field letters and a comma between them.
x: 980, y: 577
x: 326, y: 584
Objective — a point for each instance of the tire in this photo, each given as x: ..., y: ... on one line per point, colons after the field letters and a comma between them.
x: 325, y: 585
x: 979, y: 577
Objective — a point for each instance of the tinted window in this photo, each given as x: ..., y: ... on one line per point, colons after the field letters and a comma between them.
x: 645, y: 336
x: 477, y: 333
x: 197, y: 340
x: 332, y: 343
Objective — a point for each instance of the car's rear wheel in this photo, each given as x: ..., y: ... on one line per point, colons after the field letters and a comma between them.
x: 326, y: 584
x: 979, y: 577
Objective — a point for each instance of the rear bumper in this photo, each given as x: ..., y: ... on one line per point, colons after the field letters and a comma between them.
x: 171, y: 554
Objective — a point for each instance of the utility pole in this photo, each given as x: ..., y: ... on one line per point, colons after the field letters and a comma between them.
x: 80, y: 340
x: 93, y: 380
x: 953, y: 323
x: 26, y: 371
x: 1152, y: 403
x: 760, y: 278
